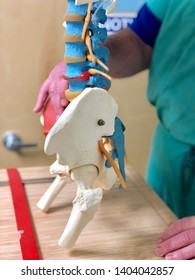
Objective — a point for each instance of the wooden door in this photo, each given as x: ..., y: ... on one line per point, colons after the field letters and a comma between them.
x: 31, y: 43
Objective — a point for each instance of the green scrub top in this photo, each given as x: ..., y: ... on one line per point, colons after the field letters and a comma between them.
x: 171, y: 85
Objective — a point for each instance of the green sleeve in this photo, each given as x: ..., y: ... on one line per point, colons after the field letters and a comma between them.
x: 158, y: 7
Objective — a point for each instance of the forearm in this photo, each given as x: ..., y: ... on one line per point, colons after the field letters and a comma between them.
x: 128, y: 55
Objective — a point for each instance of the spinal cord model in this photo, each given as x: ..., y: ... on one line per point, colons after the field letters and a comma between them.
x: 88, y: 138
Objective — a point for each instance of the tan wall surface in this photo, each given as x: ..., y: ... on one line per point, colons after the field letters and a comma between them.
x: 31, y: 42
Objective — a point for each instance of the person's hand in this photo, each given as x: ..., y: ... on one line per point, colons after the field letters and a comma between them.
x: 177, y: 242
x: 54, y: 88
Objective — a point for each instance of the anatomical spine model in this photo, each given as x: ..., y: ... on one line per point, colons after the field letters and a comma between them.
x: 88, y: 137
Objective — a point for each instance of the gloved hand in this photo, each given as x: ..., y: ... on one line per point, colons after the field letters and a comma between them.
x: 177, y: 242
x: 54, y: 87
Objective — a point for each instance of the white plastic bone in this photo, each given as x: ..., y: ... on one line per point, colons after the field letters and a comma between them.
x: 57, y: 168
x: 81, y: 2
x: 85, y: 204
x: 111, y: 7
x: 48, y: 197
x: 74, y: 138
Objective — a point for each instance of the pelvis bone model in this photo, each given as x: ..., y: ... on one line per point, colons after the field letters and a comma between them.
x: 88, y: 137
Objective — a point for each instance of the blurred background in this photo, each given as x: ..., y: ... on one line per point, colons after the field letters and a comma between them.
x: 31, y: 39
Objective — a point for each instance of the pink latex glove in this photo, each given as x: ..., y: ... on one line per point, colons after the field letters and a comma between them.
x: 53, y: 87
x: 177, y: 242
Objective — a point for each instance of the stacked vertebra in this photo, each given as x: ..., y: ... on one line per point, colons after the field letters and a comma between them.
x: 85, y: 57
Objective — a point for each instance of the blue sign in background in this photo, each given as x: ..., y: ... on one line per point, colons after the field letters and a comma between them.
x: 123, y: 14
x: 129, y: 5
